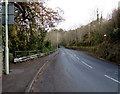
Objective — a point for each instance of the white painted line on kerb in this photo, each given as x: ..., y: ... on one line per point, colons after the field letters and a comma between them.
x: 112, y: 79
x: 87, y: 64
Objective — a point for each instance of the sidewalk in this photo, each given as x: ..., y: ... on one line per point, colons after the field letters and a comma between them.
x: 22, y: 74
x: 1, y: 63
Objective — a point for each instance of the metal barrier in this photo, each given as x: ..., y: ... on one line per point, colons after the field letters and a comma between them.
x: 26, y: 58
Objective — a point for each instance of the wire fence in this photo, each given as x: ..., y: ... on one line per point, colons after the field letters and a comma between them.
x: 18, y: 54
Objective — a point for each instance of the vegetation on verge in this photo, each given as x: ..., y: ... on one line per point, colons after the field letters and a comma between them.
x: 101, y: 37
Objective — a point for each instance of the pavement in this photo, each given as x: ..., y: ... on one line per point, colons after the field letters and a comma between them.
x: 1, y: 63
x: 22, y: 74
x: 76, y: 71
x: 1, y: 71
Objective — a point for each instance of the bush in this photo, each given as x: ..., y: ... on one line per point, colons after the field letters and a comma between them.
x: 115, y: 36
x: 11, y: 57
x: 47, y: 44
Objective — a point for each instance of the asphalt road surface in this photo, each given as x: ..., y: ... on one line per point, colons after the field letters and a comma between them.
x: 75, y: 71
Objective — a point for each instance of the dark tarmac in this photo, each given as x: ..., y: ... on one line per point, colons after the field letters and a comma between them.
x: 75, y: 71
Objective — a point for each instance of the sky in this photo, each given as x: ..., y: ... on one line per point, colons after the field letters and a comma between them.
x: 81, y: 12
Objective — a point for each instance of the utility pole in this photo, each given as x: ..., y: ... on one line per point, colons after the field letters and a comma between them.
x: 6, y: 39
x: 90, y: 34
x: 57, y: 39
x: 76, y: 37
x: 119, y: 5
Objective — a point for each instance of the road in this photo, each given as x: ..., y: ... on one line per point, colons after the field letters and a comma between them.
x: 76, y: 71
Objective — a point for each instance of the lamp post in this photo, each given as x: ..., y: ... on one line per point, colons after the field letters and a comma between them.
x: 6, y: 39
x: 105, y: 37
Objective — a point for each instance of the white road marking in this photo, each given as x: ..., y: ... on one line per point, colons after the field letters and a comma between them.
x: 87, y: 64
x: 74, y: 55
x: 77, y: 58
x: 63, y: 53
x: 71, y: 55
x: 112, y: 79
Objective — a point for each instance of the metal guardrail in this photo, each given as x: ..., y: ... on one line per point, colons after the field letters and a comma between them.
x: 26, y: 58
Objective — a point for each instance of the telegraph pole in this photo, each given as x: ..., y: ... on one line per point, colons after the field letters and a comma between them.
x: 119, y: 5
x: 57, y: 40
x: 6, y: 39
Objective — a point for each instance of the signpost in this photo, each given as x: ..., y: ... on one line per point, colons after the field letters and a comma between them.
x: 6, y: 39
x: 7, y: 19
x: 1, y: 56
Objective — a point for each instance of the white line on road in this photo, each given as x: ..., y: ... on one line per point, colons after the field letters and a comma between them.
x: 77, y: 58
x: 87, y: 64
x: 112, y: 79
x: 75, y: 55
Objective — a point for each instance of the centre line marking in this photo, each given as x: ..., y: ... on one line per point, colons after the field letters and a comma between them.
x: 112, y: 79
x: 87, y: 64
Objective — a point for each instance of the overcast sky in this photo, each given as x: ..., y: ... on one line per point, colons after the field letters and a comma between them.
x: 81, y: 12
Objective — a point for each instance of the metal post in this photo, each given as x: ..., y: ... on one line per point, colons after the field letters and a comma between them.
x: 1, y: 55
x: 6, y: 39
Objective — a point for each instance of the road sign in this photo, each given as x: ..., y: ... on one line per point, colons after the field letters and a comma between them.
x: 10, y: 14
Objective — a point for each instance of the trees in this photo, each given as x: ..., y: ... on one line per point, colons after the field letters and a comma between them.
x: 32, y: 21
x: 56, y: 37
x: 102, y: 37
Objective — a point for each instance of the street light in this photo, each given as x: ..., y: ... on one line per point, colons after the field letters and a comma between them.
x: 105, y: 35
